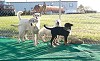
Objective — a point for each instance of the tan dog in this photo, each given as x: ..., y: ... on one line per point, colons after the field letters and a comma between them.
x: 25, y: 24
x: 43, y: 32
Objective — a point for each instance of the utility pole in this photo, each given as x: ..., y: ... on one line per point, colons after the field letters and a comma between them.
x: 60, y: 9
x: 26, y: 0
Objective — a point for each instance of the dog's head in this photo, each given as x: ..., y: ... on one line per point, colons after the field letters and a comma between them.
x: 58, y: 23
x: 36, y: 19
x: 37, y: 15
x: 33, y: 21
x: 68, y: 25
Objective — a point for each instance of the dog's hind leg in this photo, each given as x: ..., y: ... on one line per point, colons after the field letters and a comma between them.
x: 19, y: 38
x: 57, y: 40
x: 21, y: 35
x: 53, y: 41
x: 26, y: 35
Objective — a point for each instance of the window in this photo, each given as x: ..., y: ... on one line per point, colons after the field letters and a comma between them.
x: 70, y: 4
x: 11, y: 7
x: 6, y: 7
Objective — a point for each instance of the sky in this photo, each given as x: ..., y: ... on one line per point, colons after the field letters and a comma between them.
x: 94, y: 4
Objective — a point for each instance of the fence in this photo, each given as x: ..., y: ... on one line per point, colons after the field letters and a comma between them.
x: 85, y: 25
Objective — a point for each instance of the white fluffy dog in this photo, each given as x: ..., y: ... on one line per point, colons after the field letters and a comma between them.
x: 32, y: 24
x: 43, y: 32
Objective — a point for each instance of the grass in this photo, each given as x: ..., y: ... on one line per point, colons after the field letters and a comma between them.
x: 86, y: 26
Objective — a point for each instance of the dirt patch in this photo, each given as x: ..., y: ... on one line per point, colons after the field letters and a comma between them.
x: 88, y: 41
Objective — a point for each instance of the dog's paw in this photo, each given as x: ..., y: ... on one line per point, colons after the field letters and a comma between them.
x: 27, y: 39
x: 35, y: 44
x: 19, y: 40
x: 53, y: 45
x: 57, y: 44
x: 44, y: 40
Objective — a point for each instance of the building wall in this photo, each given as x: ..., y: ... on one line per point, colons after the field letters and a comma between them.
x: 1, y: 2
x: 70, y: 6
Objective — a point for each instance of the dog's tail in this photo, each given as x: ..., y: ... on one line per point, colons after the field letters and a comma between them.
x: 19, y: 14
x: 47, y: 27
x: 15, y: 25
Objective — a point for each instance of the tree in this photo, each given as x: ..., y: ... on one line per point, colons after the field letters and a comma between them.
x: 88, y: 8
x: 44, y: 8
x: 81, y: 9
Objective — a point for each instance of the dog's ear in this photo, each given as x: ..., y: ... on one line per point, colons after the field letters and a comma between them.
x: 68, y: 24
x: 71, y: 24
x: 57, y: 23
x: 40, y: 14
x: 33, y: 14
x: 31, y: 24
x: 36, y: 14
x: 31, y: 20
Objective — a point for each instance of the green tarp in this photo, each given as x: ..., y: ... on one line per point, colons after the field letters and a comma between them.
x: 11, y: 50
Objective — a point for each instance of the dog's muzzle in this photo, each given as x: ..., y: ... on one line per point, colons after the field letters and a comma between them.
x: 36, y: 17
x: 57, y: 23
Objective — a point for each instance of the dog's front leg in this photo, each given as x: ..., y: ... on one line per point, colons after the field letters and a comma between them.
x: 43, y: 38
x: 33, y: 36
x: 65, y: 40
x: 21, y: 36
x: 36, y: 39
x: 52, y: 41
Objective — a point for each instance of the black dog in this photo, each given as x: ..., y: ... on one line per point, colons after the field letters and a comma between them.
x: 64, y: 31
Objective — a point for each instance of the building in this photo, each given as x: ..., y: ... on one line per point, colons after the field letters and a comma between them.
x: 2, y: 2
x: 69, y: 6
x: 6, y: 9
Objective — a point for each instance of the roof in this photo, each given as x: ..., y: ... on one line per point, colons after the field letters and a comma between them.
x: 1, y: 0
x: 37, y: 0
